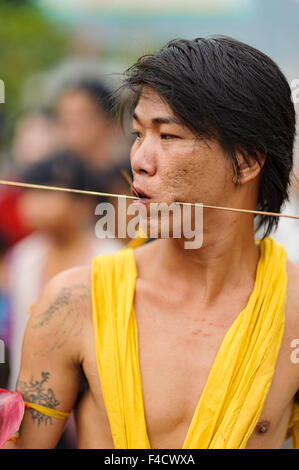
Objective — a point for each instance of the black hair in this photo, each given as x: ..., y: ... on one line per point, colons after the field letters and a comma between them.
x: 102, y: 95
x: 224, y: 89
x: 63, y: 169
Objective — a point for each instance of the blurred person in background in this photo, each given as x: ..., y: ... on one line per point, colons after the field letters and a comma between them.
x: 63, y: 225
x: 87, y: 125
x: 12, y: 230
x: 4, y: 316
x: 63, y: 237
x: 35, y: 137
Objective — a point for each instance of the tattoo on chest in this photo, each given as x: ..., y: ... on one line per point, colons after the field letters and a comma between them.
x: 36, y: 391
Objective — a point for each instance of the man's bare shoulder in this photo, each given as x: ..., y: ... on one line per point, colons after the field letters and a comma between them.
x: 67, y: 287
x: 62, y: 313
x: 69, y: 276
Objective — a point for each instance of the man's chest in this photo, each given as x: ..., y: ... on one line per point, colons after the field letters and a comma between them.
x: 176, y: 360
x: 272, y: 425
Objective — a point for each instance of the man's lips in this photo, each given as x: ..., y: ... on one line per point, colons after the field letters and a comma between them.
x: 145, y: 198
x: 138, y: 192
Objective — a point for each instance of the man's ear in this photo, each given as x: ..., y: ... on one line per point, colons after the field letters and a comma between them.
x: 249, y: 167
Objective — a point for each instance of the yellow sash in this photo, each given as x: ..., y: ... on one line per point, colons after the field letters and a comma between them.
x: 239, y: 380
x: 47, y: 411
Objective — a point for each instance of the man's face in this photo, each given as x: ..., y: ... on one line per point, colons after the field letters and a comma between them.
x: 170, y: 163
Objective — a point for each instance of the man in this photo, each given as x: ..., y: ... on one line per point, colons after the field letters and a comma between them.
x: 193, y: 347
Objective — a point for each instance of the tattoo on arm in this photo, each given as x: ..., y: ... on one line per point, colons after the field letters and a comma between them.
x: 36, y: 391
x: 62, y: 300
x: 67, y: 309
x: 67, y: 297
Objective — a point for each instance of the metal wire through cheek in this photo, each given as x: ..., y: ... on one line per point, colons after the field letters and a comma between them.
x: 96, y: 193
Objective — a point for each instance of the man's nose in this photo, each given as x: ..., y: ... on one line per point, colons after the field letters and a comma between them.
x: 143, y: 158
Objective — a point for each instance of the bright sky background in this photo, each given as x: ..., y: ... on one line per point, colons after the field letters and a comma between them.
x: 146, y: 6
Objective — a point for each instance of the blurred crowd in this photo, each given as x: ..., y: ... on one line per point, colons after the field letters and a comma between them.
x: 76, y: 144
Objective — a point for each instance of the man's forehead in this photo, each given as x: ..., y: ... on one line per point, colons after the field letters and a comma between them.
x: 152, y: 107
x: 148, y: 93
x: 158, y: 119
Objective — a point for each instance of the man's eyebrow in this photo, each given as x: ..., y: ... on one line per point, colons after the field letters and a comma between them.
x: 160, y: 120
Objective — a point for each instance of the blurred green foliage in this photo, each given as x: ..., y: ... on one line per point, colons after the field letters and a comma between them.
x: 29, y: 44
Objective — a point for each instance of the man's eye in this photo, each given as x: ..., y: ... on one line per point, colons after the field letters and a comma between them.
x: 168, y: 136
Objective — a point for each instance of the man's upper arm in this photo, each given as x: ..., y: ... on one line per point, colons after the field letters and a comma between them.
x: 51, y: 356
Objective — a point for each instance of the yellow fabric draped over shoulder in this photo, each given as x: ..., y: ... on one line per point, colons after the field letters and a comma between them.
x: 140, y: 239
x: 238, y: 383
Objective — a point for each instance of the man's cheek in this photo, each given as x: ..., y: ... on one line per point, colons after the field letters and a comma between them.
x: 188, y: 177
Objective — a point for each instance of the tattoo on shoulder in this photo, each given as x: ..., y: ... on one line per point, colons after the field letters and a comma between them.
x: 67, y: 296
x: 62, y: 300
x: 67, y: 309
x: 36, y: 391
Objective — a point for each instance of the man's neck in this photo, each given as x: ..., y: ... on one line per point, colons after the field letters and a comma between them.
x: 226, y: 259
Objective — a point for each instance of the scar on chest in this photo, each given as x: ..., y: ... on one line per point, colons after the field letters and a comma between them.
x: 262, y: 426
